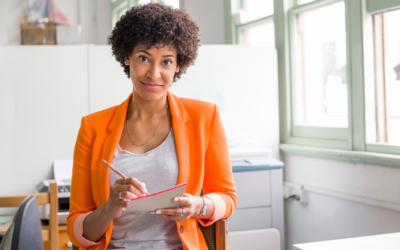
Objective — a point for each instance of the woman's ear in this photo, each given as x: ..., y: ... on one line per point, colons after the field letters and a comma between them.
x: 177, y: 69
x: 126, y: 61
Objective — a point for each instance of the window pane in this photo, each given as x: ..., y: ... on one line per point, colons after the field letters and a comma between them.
x: 259, y: 8
x: 260, y: 35
x: 143, y: 2
x: 304, y: 1
x: 384, y: 116
x: 320, y: 67
x: 173, y: 3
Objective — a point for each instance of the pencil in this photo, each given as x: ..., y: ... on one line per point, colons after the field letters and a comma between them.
x: 113, y: 169
x: 119, y: 173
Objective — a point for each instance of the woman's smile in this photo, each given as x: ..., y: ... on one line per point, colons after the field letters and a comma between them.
x: 150, y: 86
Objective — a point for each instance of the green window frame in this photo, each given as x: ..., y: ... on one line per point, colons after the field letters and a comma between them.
x: 329, y: 137
x: 348, y: 145
x: 233, y: 30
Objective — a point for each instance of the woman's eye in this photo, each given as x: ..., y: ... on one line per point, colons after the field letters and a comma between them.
x: 167, y: 62
x: 143, y: 59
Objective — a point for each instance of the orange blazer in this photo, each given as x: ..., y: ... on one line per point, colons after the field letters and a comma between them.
x: 203, y: 161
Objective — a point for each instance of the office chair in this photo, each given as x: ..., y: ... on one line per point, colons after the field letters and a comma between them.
x: 41, y: 199
x: 25, y: 232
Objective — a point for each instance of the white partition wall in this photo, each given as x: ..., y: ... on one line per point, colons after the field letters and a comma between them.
x: 242, y: 81
x: 109, y: 86
x: 43, y: 96
x: 45, y: 90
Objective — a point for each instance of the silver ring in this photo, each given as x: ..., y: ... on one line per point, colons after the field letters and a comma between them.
x: 183, y: 212
x: 124, y: 180
x: 120, y: 195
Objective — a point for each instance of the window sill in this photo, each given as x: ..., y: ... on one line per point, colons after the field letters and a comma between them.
x: 378, y: 159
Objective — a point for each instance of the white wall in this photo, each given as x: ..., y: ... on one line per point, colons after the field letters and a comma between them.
x: 44, y: 96
x: 248, y: 102
x: 209, y: 15
x: 94, y: 17
x: 42, y: 100
x: 326, y: 217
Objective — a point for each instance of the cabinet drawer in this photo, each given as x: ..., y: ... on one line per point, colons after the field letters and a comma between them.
x: 250, y: 218
x: 253, y: 188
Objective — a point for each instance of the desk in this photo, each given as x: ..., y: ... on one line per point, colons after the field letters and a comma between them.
x: 383, y: 241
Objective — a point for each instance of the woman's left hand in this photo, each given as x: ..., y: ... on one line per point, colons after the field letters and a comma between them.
x: 190, y: 207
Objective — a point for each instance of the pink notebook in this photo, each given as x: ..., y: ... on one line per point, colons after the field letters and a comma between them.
x: 162, y: 199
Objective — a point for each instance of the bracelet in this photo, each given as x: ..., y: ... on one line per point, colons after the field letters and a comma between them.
x: 203, y: 210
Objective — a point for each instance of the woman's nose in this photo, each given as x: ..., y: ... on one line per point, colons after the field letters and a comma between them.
x: 153, y: 72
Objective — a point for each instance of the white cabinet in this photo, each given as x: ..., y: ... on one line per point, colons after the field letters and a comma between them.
x: 259, y: 212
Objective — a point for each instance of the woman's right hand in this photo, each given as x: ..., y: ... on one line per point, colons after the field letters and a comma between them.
x: 130, y: 189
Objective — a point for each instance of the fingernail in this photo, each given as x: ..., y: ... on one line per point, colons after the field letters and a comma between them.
x: 158, y: 212
x: 176, y: 199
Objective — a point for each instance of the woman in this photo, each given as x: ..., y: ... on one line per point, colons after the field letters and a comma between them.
x: 156, y: 138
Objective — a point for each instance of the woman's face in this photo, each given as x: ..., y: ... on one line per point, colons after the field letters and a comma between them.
x: 152, y: 70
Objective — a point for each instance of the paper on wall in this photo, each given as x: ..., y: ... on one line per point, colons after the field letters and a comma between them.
x: 62, y: 170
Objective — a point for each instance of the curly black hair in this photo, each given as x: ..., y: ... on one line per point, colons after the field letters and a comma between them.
x: 155, y: 24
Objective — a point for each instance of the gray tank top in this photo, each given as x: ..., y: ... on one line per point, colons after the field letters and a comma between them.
x: 158, y: 168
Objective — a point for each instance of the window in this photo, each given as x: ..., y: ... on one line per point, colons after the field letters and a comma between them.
x: 119, y: 7
x: 257, y: 9
x: 339, y: 78
x: 320, y: 67
x: 317, y: 114
x: 383, y: 116
x: 253, y: 22
x: 304, y: 1
x: 258, y: 35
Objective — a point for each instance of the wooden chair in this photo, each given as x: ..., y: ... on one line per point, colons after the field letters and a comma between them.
x: 216, y: 235
x: 42, y: 198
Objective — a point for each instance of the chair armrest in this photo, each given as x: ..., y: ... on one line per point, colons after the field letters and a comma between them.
x: 209, y: 235
x: 216, y: 235
x: 221, y: 234
x: 1, y: 237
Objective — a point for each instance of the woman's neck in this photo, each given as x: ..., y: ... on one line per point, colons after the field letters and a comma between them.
x: 140, y: 109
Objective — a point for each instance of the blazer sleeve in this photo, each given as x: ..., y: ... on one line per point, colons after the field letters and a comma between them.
x: 218, y: 176
x: 81, y: 199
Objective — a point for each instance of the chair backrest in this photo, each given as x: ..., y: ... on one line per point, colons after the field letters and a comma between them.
x: 216, y: 235
x: 25, y: 231
x: 41, y: 198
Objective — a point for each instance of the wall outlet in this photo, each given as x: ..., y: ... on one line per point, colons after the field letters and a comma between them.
x: 299, y: 193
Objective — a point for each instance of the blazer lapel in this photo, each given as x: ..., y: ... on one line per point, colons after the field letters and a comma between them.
x: 182, y: 134
x: 115, y: 129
